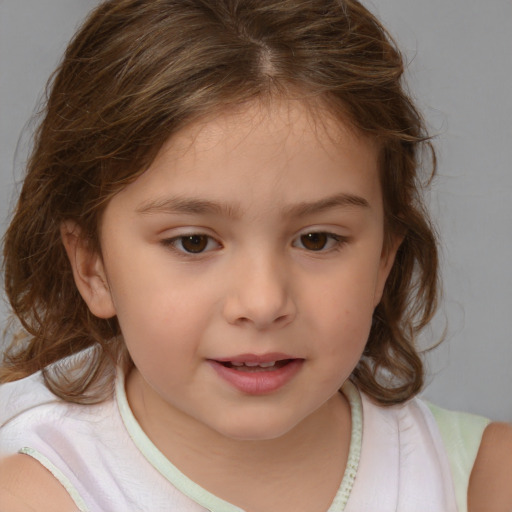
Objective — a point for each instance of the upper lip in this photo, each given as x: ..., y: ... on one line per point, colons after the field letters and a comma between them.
x: 255, y: 358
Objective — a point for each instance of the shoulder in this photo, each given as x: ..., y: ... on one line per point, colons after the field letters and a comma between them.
x: 23, y: 395
x: 29, y: 415
x: 26, y: 486
x: 490, y: 486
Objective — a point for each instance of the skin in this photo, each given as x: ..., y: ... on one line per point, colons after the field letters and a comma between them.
x: 257, y: 286
x: 490, y: 486
x: 274, y: 176
x: 26, y: 486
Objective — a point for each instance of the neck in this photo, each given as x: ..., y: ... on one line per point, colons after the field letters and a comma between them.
x: 271, y: 466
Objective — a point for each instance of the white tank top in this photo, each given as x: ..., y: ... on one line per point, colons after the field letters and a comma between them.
x: 397, y: 461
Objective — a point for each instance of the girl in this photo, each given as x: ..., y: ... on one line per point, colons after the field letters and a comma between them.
x: 220, y: 228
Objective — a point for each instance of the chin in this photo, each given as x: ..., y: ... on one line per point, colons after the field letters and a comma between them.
x: 255, y: 431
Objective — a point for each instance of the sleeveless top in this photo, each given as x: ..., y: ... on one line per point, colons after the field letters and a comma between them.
x: 398, y: 461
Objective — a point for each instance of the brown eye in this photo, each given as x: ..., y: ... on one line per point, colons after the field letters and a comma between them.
x: 194, y: 243
x: 314, y: 241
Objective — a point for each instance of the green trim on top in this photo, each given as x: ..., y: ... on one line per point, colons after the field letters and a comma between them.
x: 158, y: 460
x: 461, y: 434
x: 354, y: 454
x: 59, y: 475
x: 208, y: 500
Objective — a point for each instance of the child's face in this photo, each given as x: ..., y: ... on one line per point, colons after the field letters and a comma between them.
x: 252, y: 238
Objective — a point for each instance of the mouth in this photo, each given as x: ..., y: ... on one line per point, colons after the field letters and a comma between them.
x: 253, y: 366
x: 257, y: 375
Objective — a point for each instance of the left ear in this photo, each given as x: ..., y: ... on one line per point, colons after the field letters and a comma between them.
x: 387, y: 260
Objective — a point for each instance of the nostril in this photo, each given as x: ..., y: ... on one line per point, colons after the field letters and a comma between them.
x: 261, y: 310
x: 282, y: 319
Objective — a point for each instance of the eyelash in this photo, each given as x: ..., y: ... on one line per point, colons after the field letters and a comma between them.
x: 173, y: 243
x: 335, y: 242
x: 332, y: 241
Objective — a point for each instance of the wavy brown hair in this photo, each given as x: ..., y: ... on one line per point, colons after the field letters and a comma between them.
x: 137, y: 72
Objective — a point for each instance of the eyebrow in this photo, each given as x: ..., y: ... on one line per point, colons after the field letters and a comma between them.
x: 196, y: 206
x: 192, y: 206
x: 328, y: 203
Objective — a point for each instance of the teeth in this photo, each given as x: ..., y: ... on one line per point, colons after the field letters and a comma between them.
x: 254, y: 365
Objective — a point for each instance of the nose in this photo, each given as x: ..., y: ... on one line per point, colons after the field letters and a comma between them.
x: 259, y: 294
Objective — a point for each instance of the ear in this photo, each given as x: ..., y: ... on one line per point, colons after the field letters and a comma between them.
x: 88, y: 271
x: 387, y: 260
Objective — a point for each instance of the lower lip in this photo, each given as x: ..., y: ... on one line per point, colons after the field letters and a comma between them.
x: 258, y: 382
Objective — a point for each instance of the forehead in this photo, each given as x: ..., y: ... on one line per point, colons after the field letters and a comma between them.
x: 280, y: 152
x: 283, y: 125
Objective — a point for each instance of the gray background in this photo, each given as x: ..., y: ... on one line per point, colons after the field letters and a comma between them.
x: 460, y: 72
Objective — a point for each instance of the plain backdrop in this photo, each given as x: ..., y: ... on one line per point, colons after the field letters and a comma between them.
x: 459, y: 55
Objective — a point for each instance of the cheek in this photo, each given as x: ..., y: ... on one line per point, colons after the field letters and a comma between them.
x: 149, y: 286
x: 345, y: 337
x: 161, y: 320
x: 347, y: 297
x: 342, y: 314
x: 163, y: 341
